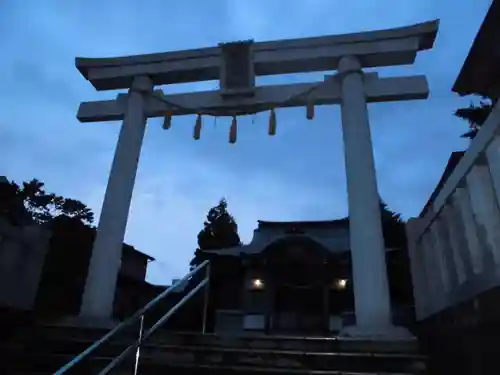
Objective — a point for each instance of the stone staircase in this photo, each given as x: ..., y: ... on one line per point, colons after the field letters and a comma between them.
x: 46, y: 349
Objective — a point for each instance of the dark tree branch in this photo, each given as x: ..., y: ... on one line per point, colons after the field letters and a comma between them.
x: 475, y: 115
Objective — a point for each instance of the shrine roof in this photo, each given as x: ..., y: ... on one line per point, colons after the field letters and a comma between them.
x: 238, y: 251
x: 333, y: 235
x: 303, y: 224
x: 480, y: 73
x: 132, y: 249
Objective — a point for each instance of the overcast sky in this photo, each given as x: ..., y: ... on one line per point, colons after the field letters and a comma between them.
x: 297, y: 175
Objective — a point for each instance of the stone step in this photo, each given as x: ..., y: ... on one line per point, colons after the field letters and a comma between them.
x: 327, y: 344
x: 52, y: 347
x: 161, y: 364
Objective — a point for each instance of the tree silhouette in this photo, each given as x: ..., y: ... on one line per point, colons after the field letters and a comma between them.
x: 31, y: 203
x: 11, y: 204
x: 475, y: 115
x: 393, y: 228
x: 220, y: 231
x: 398, y: 262
x: 67, y: 259
x: 76, y: 210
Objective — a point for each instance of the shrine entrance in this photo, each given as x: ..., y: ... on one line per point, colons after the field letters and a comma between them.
x: 300, y: 283
x: 299, y: 310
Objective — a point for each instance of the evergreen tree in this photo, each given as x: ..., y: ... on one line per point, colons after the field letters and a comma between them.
x: 398, y: 262
x: 393, y: 227
x: 219, y: 231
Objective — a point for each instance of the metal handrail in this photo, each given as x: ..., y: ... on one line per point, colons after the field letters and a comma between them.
x: 138, y: 352
x: 139, y: 314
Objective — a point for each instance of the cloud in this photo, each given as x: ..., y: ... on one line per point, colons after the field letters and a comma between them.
x: 172, y: 202
x: 297, y: 175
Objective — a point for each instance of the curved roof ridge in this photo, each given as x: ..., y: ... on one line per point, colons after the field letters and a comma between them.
x: 300, y: 221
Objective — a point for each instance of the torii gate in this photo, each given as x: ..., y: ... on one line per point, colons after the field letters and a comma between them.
x: 235, y: 65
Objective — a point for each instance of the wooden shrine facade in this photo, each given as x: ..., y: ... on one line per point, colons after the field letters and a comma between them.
x: 294, y: 278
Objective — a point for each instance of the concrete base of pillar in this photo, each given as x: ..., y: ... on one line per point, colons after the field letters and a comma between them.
x: 88, y: 322
x: 376, y: 333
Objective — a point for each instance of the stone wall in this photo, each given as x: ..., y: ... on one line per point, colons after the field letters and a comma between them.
x: 49, y: 279
x: 463, y: 339
x: 454, y: 249
x: 22, y: 255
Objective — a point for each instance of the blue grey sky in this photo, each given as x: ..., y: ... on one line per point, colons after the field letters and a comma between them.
x: 297, y: 175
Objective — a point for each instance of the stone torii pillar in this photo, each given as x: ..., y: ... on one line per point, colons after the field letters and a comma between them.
x: 235, y: 65
x: 105, y: 262
x: 371, y: 290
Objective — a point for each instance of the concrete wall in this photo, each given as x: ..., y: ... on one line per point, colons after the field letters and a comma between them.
x: 22, y: 255
x: 455, y: 247
x: 229, y: 322
x: 463, y: 339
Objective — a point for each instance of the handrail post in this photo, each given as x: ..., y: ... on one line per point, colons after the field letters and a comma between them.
x: 138, y: 352
x: 205, y: 300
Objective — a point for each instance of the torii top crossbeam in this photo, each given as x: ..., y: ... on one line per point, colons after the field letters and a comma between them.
x: 397, y: 46
x: 237, y: 64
